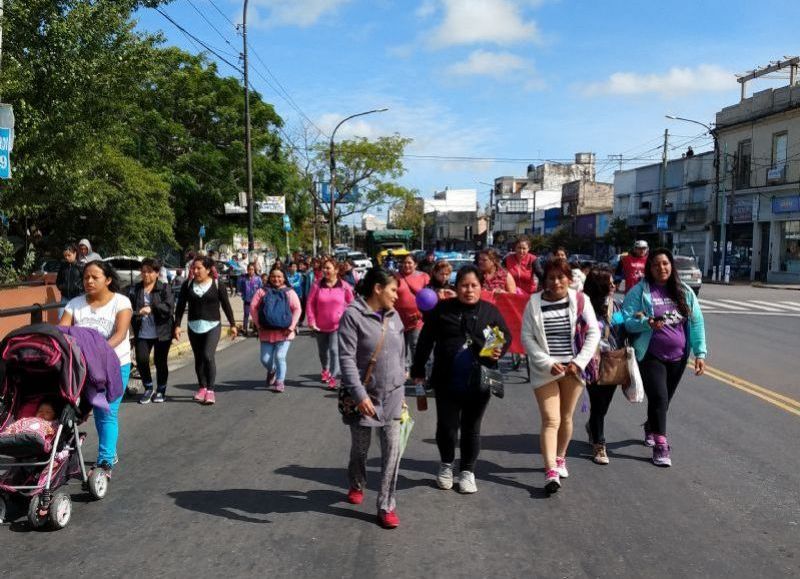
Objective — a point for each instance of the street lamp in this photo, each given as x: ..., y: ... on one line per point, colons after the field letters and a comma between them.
x: 332, y: 189
x: 713, y: 132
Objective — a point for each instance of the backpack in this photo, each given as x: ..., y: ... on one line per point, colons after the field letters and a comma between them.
x: 275, y: 313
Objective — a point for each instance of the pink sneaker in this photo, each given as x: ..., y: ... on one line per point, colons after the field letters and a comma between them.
x: 552, y: 481
x: 200, y: 396
x: 210, y: 398
x: 561, y: 467
x: 332, y: 383
x: 326, y: 376
x: 278, y: 387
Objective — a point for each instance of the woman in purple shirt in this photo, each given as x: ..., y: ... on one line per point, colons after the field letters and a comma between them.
x: 664, y: 319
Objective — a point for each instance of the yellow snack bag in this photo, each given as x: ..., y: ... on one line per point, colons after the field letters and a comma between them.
x: 494, y: 340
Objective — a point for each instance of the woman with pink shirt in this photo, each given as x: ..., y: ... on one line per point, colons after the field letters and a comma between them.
x: 410, y: 282
x: 326, y: 303
x: 271, y: 309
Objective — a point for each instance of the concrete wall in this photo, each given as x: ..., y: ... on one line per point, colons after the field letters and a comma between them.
x: 27, y: 296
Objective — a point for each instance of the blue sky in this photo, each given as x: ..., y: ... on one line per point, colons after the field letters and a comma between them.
x: 501, y: 82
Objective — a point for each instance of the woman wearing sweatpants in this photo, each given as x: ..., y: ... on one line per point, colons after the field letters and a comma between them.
x: 371, y: 329
x: 204, y: 298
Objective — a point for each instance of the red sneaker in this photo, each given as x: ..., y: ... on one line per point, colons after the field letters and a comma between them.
x: 326, y: 376
x: 355, y: 496
x: 210, y: 397
x: 201, y: 395
x: 332, y: 383
x: 388, y: 519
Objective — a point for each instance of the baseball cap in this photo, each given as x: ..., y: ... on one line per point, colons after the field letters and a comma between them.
x: 640, y: 244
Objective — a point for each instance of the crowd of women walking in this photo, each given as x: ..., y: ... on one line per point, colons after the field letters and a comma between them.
x: 376, y: 334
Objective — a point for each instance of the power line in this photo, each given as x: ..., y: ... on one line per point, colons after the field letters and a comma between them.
x: 203, y: 16
x: 200, y: 42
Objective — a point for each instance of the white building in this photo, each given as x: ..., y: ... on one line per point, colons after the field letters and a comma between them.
x: 371, y: 222
x: 452, y: 200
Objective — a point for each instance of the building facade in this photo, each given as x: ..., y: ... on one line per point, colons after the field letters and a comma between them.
x: 759, y: 148
x: 451, y: 220
x: 671, y: 206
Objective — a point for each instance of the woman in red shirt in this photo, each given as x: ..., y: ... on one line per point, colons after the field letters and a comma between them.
x: 521, y: 264
x: 409, y: 283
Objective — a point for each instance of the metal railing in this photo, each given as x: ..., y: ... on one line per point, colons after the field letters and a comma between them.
x: 35, y: 311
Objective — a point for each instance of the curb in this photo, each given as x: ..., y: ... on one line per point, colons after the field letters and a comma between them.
x: 762, y: 285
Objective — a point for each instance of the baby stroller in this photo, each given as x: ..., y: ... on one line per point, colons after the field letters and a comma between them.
x: 40, y: 364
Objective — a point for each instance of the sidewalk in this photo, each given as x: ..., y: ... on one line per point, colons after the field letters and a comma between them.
x: 778, y: 286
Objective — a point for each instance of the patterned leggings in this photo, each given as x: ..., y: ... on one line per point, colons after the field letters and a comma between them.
x: 390, y: 460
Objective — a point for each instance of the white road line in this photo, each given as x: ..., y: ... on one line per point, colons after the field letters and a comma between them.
x: 751, y: 305
x: 720, y: 305
x: 792, y: 304
x: 782, y: 314
x: 791, y: 308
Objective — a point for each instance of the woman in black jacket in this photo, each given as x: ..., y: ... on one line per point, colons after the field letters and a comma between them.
x: 204, y: 297
x: 454, y: 333
x: 152, y: 302
x: 69, y: 279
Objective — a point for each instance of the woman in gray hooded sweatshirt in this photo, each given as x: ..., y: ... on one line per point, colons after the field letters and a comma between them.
x: 371, y: 326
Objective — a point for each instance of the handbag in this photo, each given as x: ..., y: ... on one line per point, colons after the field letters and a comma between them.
x: 634, y: 390
x: 613, y: 363
x: 348, y: 407
x: 487, y: 379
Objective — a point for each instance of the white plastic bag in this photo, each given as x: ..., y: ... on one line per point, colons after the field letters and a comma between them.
x: 634, y: 391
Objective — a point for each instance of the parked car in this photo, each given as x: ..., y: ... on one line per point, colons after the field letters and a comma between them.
x: 129, y: 268
x: 458, y: 264
x: 361, y: 262
x: 689, y: 273
x: 47, y: 271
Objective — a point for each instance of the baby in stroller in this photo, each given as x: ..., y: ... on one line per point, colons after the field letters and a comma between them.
x: 37, y: 430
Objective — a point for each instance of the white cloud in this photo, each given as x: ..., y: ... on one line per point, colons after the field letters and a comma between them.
x: 426, y: 9
x: 486, y: 63
x: 676, y: 81
x: 483, y: 21
x: 301, y: 13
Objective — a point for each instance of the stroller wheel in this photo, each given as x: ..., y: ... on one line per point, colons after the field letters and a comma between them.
x: 36, y: 520
x: 60, y: 511
x: 98, y: 483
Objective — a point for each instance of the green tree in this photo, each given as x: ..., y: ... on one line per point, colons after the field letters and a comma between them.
x: 408, y: 213
x: 619, y: 235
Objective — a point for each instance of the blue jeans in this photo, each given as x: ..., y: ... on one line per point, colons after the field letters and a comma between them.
x: 107, y: 424
x: 328, y: 348
x: 273, y: 357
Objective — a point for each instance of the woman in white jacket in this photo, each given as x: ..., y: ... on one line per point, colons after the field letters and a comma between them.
x: 549, y: 327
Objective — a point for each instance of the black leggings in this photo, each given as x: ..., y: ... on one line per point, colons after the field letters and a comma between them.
x: 660, y: 382
x: 464, y: 412
x: 143, y: 348
x: 204, y: 347
x: 600, y: 399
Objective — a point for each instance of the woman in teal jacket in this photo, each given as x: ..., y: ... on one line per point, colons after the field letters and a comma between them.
x: 663, y: 317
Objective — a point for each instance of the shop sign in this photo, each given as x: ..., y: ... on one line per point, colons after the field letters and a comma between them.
x: 786, y: 204
x: 742, y: 211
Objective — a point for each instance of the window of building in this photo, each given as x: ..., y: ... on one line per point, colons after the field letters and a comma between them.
x: 777, y: 171
x: 790, y: 246
x: 742, y: 165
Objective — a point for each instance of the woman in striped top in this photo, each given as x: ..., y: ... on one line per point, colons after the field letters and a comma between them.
x: 549, y: 325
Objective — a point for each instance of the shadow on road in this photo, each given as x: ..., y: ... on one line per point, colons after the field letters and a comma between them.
x: 338, y: 476
x: 253, y: 505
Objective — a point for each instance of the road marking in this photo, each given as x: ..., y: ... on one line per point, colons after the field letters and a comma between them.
x: 781, y: 313
x: 751, y: 305
x: 721, y: 305
x: 779, y: 306
x: 792, y: 304
x: 784, y: 402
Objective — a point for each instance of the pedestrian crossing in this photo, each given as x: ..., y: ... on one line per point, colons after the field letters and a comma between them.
x: 751, y: 307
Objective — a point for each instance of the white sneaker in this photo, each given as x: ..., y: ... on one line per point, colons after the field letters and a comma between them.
x: 445, y: 477
x: 561, y: 467
x: 466, y: 483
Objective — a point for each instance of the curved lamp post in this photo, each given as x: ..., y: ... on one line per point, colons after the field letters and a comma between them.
x: 332, y: 189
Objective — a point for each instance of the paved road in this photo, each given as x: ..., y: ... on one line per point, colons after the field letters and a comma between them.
x: 255, y: 487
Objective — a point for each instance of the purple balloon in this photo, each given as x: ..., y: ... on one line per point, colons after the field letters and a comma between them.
x: 426, y: 299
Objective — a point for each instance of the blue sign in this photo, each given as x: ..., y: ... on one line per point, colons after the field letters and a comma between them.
x: 786, y: 204
x: 662, y: 222
x: 325, y: 194
x: 552, y: 219
x: 287, y: 224
x: 5, y: 150
x: 202, y: 232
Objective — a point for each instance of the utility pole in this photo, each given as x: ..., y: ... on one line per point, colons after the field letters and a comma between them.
x: 247, y: 140
x: 663, y: 201
x: 490, y: 225
x: 724, y: 271
x: 617, y: 158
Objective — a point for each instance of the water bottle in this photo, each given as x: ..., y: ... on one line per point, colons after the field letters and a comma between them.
x: 422, y: 398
